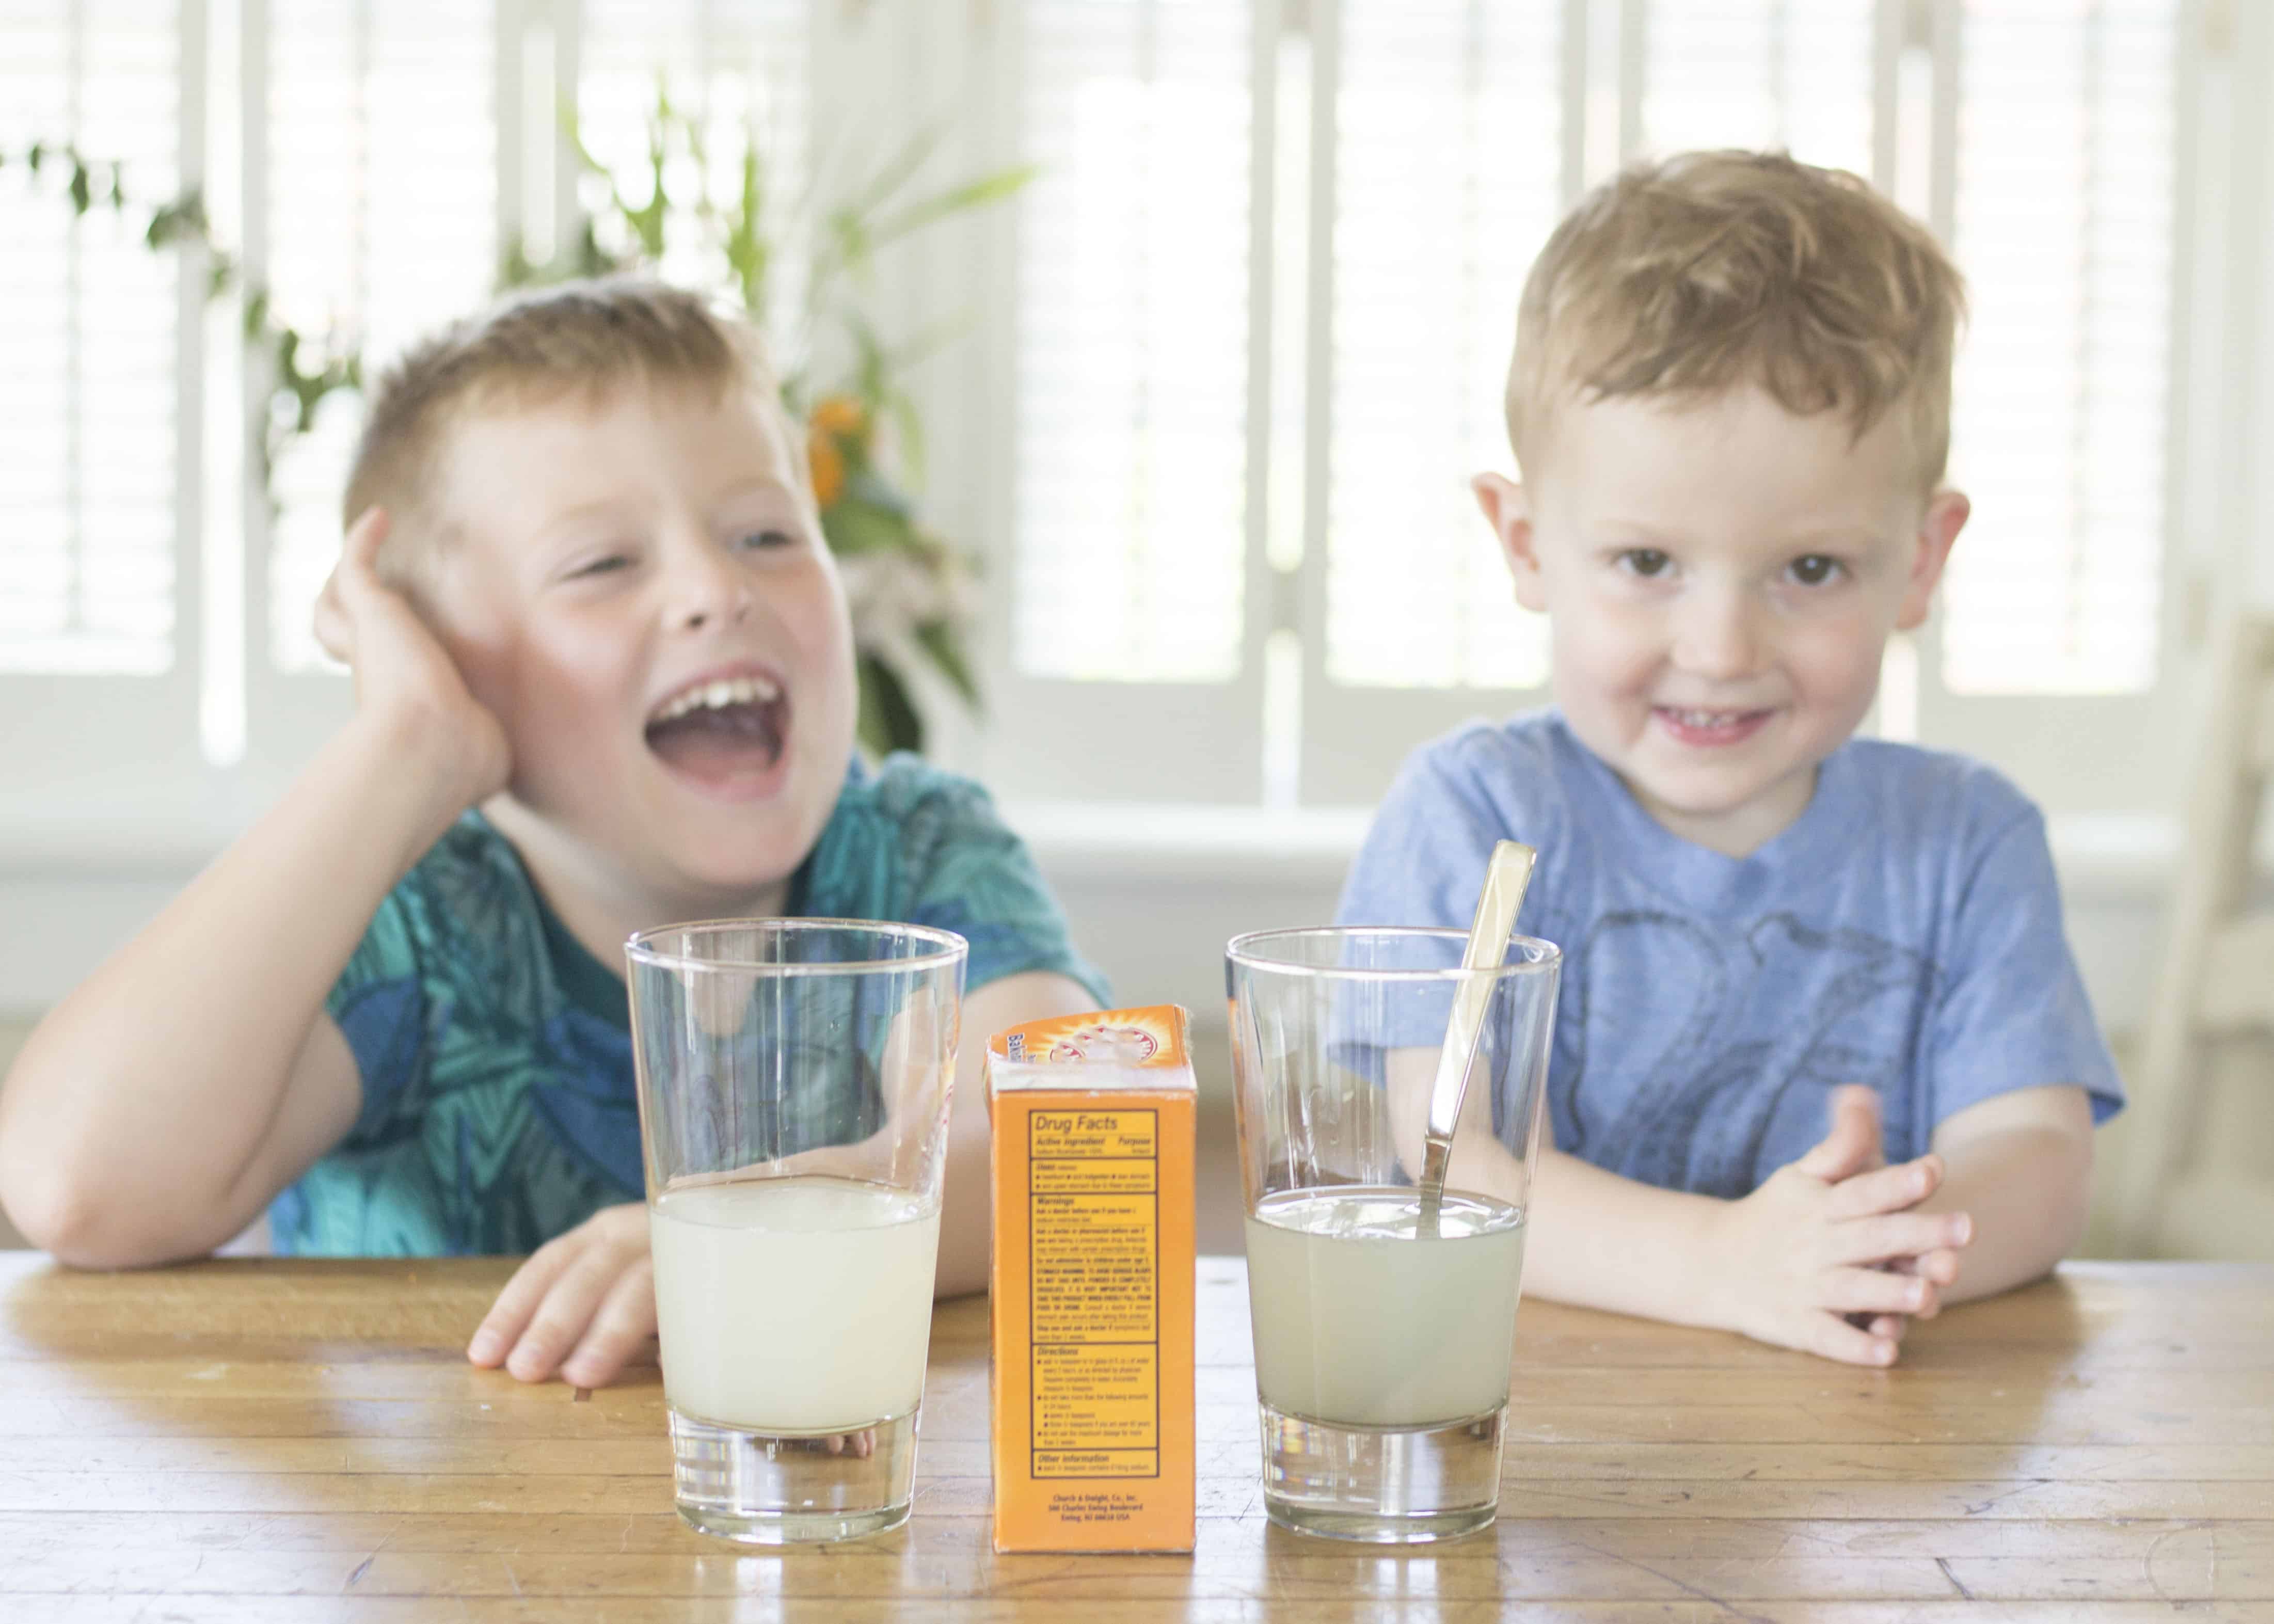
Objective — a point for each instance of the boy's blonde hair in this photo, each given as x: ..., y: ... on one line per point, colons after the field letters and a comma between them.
x: 1712, y: 269
x: 576, y: 338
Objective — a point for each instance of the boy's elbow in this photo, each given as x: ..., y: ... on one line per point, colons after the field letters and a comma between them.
x: 79, y: 1239
x: 2066, y: 1202
x: 63, y: 1218
x: 2060, y: 1159
x: 51, y: 1213
x: 73, y: 1214
x: 2077, y: 1210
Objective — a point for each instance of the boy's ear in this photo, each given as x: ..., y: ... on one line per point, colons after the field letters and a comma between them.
x: 1507, y: 508
x: 1946, y: 513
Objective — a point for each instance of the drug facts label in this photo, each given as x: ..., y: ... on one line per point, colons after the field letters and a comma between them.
x: 1094, y: 1242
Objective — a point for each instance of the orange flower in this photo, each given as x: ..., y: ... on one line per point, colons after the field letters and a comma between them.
x: 827, y: 465
x: 841, y: 415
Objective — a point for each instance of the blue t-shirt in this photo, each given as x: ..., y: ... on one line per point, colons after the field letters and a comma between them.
x: 1904, y: 932
x: 495, y: 1051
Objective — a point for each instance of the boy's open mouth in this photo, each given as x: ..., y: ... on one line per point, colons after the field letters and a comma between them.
x: 723, y: 731
x: 1692, y: 725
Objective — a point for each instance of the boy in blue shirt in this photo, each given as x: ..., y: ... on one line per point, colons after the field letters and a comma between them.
x: 604, y: 681
x: 1729, y: 402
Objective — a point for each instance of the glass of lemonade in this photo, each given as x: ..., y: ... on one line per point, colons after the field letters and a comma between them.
x: 1381, y: 1351
x: 794, y: 1078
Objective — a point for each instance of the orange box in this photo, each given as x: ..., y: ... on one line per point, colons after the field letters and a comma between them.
x: 1091, y: 1277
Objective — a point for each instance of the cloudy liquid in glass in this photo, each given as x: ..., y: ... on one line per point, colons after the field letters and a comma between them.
x: 792, y: 1305
x: 1361, y: 1322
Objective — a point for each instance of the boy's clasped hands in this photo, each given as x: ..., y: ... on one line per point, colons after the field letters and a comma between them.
x: 1832, y: 1254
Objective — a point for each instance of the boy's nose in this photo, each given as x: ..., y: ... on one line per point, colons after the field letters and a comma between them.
x: 1714, y: 636
x: 704, y: 586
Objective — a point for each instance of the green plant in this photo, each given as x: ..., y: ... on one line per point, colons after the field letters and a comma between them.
x: 281, y: 351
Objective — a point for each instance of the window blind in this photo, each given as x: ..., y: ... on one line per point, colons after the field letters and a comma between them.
x: 1789, y: 73
x: 88, y: 318
x: 2064, y: 227
x: 1130, y: 493
x: 382, y: 225
x: 1448, y: 132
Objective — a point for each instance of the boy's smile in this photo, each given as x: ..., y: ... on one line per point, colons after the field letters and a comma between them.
x: 1722, y: 576
x: 637, y: 587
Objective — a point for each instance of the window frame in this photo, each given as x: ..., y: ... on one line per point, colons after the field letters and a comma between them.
x: 1063, y: 739
x: 2076, y: 753
x: 150, y: 718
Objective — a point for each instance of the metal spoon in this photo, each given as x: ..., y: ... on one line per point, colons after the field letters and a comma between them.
x: 1506, y: 876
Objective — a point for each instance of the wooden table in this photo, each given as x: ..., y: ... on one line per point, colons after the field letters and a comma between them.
x: 260, y: 1439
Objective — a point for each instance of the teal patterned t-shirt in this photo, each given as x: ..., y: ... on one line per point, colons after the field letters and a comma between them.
x: 495, y: 1051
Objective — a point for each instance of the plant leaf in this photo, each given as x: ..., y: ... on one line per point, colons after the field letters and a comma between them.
x: 944, y: 644
x: 888, y: 721
x: 978, y: 193
x: 907, y: 423
x: 905, y: 164
x: 865, y: 485
x: 854, y: 525
x: 748, y: 254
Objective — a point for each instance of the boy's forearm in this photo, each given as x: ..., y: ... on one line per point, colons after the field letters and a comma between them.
x: 1600, y: 1241
x: 1592, y: 1238
x: 967, y: 1201
x: 2028, y: 1190
x: 142, y: 1100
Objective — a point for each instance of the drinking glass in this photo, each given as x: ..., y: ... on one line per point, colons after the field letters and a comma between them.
x: 793, y: 1087
x: 1382, y: 1350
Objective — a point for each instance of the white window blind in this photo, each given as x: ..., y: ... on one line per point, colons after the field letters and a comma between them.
x: 2040, y: 134
x: 1448, y: 132
x: 1789, y: 73
x: 2064, y: 214
x: 382, y: 224
x: 1130, y: 494
x: 88, y: 328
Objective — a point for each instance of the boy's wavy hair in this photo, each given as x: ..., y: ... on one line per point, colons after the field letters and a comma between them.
x: 1713, y: 269
x: 576, y: 338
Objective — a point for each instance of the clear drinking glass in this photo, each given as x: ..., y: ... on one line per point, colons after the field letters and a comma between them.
x: 793, y: 1087
x: 1381, y: 1355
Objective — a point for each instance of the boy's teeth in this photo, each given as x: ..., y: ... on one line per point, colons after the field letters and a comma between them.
x: 718, y: 695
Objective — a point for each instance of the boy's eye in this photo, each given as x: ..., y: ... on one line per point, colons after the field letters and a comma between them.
x: 1644, y: 561
x: 601, y: 566
x: 1815, y: 568
x: 762, y: 540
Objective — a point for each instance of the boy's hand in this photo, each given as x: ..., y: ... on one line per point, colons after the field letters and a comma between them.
x: 583, y: 1306
x: 402, y: 671
x: 1828, y: 1236
x: 1856, y: 1144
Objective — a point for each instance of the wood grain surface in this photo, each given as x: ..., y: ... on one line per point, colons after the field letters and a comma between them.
x: 267, y: 1439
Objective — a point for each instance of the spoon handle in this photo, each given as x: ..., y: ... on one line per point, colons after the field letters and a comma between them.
x: 1506, y: 878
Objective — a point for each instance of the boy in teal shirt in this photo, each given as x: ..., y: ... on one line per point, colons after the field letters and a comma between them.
x: 604, y: 681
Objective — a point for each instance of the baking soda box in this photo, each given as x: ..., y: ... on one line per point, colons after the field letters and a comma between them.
x: 1091, y: 1278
